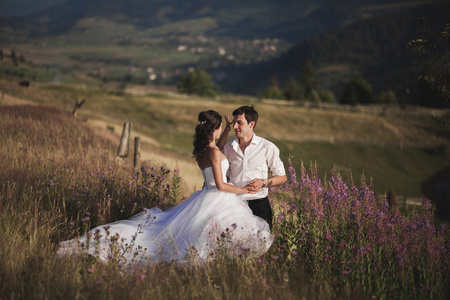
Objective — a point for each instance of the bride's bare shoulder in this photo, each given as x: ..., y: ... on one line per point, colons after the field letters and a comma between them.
x: 214, y: 151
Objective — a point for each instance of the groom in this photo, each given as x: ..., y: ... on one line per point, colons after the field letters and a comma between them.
x: 250, y: 158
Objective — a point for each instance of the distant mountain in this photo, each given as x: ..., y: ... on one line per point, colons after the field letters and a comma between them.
x: 22, y: 8
x: 374, y: 48
x: 293, y: 20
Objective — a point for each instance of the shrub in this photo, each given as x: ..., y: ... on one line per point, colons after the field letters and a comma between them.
x: 272, y: 93
x: 357, y: 91
x: 197, y: 82
x: 387, y: 97
x: 293, y: 90
x: 326, y: 96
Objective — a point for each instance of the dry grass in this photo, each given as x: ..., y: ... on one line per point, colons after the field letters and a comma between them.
x: 55, y: 168
x: 276, y: 122
x: 165, y: 123
x: 49, y: 161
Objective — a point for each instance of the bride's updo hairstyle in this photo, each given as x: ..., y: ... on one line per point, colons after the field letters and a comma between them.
x: 208, y: 121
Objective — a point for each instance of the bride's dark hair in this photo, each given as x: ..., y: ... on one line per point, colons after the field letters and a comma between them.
x: 208, y: 121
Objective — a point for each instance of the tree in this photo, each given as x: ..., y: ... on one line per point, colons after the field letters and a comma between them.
x: 387, y: 97
x: 14, y: 58
x: 357, y: 91
x: 1, y: 54
x: 275, y: 82
x: 428, y: 95
x: 314, y: 96
x: 272, y: 92
x: 293, y: 90
x: 199, y: 83
x: 326, y: 96
x: 349, y: 95
x: 307, y: 78
x: 437, y: 70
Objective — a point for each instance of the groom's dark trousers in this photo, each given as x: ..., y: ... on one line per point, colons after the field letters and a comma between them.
x: 261, y: 208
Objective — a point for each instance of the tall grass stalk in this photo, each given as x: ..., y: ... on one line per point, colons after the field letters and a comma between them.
x: 333, y: 239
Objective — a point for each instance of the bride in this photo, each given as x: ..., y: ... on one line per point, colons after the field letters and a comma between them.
x: 211, y: 220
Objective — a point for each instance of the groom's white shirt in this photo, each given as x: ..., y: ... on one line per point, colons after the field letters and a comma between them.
x: 260, y: 156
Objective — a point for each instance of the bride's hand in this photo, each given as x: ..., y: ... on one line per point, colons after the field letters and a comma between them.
x: 250, y: 189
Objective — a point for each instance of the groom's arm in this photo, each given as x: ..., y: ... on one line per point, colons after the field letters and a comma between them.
x: 274, y: 181
x: 276, y: 166
x: 223, y: 138
x: 269, y: 182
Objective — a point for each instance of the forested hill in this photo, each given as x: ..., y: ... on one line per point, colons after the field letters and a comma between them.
x: 374, y: 48
x: 293, y: 20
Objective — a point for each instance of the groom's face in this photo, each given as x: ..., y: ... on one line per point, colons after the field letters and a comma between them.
x: 241, y: 127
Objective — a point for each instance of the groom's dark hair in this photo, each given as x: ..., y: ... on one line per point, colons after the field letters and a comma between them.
x: 251, y: 115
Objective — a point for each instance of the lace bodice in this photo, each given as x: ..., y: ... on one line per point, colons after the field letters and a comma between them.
x: 208, y: 175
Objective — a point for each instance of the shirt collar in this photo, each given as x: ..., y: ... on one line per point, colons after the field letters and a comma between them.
x: 255, y: 141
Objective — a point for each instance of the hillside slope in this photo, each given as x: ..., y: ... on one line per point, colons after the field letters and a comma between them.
x: 286, y: 19
x: 397, y: 151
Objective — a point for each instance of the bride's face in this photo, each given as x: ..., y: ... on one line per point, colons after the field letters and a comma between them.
x: 218, y: 132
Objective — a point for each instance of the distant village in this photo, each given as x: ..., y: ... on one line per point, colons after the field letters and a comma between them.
x: 222, y: 53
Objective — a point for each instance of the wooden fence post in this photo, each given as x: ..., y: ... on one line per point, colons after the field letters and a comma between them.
x: 137, y: 152
x: 77, y: 106
x: 124, y: 145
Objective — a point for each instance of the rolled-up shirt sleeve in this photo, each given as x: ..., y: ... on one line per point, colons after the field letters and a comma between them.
x: 274, y: 162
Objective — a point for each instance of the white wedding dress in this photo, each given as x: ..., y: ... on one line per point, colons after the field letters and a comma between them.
x: 195, y: 230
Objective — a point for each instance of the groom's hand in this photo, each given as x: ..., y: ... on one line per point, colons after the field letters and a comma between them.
x: 228, y: 123
x: 251, y: 189
x: 257, y: 184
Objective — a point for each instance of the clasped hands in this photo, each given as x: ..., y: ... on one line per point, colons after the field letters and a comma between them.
x: 254, y: 186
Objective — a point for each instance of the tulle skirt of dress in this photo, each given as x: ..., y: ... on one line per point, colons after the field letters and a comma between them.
x: 207, y: 222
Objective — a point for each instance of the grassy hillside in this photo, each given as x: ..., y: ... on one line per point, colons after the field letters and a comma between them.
x: 332, y: 240
x: 398, y: 152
